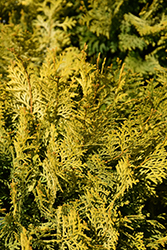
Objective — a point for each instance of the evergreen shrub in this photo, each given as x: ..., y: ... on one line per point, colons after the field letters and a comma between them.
x: 86, y: 150
x: 83, y: 160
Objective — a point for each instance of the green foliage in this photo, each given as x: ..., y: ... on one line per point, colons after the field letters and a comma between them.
x: 82, y: 146
x: 88, y: 152
x: 133, y: 31
x: 39, y: 27
x: 149, y: 36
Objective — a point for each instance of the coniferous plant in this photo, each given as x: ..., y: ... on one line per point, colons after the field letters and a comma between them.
x: 82, y: 146
x: 133, y: 31
x: 87, y: 150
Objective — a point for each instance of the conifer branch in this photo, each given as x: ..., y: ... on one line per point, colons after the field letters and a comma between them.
x: 28, y: 78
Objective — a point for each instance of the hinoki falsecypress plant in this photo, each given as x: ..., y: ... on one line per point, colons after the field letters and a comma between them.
x: 87, y: 153
x: 82, y: 146
x: 134, y: 31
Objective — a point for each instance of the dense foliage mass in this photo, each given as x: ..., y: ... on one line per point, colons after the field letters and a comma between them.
x: 83, y: 135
